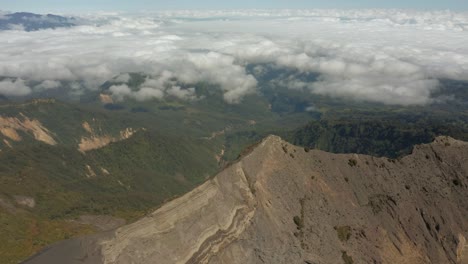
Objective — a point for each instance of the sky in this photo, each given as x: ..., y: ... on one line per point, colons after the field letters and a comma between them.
x: 151, y: 5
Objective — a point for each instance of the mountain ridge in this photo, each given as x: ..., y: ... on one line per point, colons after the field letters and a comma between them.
x: 33, y: 22
x: 282, y: 203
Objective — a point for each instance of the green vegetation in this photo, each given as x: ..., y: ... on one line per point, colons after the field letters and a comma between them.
x: 347, y: 259
x: 298, y: 221
x: 390, y: 138
x: 23, y: 234
x: 379, y: 202
x: 352, y: 162
x: 343, y: 232
x: 142, y: 172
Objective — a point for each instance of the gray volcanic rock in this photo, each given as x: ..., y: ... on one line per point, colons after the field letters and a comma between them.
x: 285, y: 204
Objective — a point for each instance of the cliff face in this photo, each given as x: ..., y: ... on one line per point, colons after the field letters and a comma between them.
x: 285, y: 204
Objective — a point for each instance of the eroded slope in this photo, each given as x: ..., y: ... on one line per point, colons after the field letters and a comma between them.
x: 10, y: 126
x: 285, y: 204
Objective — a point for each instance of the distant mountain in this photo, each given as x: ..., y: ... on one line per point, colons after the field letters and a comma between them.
x: 33, y: 22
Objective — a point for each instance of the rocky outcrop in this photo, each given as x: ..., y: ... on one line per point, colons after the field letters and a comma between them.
x: 106, y: 99
x: 94, y: 141
x: 25, y: 201
x: 284, y: 204
x: 10, y: 126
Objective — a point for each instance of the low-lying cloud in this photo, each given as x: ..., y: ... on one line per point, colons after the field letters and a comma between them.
x: 387, y: 56
x: 16, y: 87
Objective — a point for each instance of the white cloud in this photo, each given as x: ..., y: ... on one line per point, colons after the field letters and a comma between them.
x: 388, y: 56
x: 146, y: 93
x: 14, y: 87
x: 219, y: 69
x: 436, y: 19
x: 15, y: 27
x: 3, y: 15
x: 153, y: 89
x: 47, y: 84
x: 184, y: 94
x: 122, y: 78
x: 393, y: 91
x: 119, y: 92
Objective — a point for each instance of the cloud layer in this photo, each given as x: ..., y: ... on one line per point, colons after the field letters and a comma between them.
x: 388, y: 56
x: 16, y: 87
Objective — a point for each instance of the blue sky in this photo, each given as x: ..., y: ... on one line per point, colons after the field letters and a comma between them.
x: 148, y: 5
